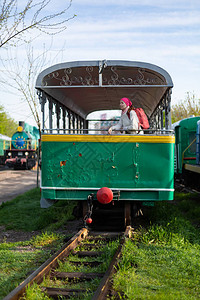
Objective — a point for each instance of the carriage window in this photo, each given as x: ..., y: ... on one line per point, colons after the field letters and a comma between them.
x: 192, y: 136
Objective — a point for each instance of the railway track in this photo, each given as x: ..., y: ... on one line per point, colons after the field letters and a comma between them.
x: 185, y: 189
x: 86, y: 257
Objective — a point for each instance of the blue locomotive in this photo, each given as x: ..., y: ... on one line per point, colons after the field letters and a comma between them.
x: 21, y: 151
x: 187, y: 150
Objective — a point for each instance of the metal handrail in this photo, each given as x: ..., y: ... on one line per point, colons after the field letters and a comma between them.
x: 150, y: 131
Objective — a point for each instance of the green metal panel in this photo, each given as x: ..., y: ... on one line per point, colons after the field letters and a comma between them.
x: 178, y: 153
x: 185, y: 133
x: 1, y: 148
x: 92, y: 165
x: 4, y: 143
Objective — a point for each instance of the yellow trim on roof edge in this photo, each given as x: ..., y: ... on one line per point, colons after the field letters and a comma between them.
x: 108, y: 138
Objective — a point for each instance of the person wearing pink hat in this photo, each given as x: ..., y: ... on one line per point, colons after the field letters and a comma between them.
x: 129, y: 120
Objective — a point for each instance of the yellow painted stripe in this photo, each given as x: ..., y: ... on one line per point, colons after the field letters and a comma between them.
x: 108, y: 138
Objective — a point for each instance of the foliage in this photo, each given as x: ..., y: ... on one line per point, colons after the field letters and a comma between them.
x: 34, y: 293
x: 163, y: 260
x: 186, y: 108
x: 24, y: 213
x: 19, y: 259
x: 7, y: 125
x: 17, y: 19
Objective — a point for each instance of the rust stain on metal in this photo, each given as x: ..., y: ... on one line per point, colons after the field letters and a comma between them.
x: 80, y: 154
x: 63, y: 163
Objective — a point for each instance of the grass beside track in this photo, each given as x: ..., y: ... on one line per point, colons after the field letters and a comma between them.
x: 20, y: 259
x: 161, y: 262
x: 24, y: 213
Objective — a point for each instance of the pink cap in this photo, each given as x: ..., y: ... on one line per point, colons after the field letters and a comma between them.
x: 126, y: 101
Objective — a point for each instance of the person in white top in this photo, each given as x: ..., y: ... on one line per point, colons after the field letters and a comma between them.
x: 129, y: 120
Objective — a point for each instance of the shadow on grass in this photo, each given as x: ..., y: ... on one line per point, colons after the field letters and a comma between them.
x: 24, y: 213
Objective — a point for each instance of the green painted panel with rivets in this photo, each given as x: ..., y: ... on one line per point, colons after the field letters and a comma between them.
x: 114, y: 165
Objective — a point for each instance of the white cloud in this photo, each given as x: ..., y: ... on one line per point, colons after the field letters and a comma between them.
x: 134, y: 22
x: 153, y: 3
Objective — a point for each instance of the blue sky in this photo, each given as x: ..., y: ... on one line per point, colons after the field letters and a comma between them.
x: 165, y: 33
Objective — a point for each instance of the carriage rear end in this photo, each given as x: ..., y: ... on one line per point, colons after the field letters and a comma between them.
x: 78, y: 160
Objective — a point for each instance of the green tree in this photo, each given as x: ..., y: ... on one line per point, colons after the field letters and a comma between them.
x: 7, y: 125
x: 186, y: 108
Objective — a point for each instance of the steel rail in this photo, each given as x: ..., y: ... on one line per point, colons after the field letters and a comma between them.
x: 105, y: 284
x: 44, y: 269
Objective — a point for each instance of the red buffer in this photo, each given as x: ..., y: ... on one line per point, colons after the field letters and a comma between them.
x: 104, y: 195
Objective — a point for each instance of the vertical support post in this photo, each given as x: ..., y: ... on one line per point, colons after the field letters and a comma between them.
x: 86, y: 125
x: 77, y: 124
x: 162, y: 119
x: 81, y: 125
x: 50, y: 114
x: 58, y: 116
x: 169, y: 106
x: 166, y: 114
x: 100, y: 73
x: 156, y: 118
x: 102, y: 66
x: 64, y: 118
x: 42, y: 100
x: 73, y: 123
x: 69, y: 120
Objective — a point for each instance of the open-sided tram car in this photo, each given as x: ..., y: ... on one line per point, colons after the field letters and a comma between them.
x: 77, y: 162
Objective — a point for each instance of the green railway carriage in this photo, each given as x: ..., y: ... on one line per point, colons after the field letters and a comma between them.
x: 4, y: 144
x: 78, y: 160
x: 185, y: 149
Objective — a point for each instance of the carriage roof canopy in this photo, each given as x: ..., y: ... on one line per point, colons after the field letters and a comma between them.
x: 88, y: 86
